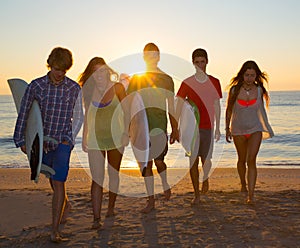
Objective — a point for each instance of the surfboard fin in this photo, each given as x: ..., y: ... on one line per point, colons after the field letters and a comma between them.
x: 47, y: 171
x: 188, y: 154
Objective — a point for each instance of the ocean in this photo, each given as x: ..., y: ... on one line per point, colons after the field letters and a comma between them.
x: 280, y: 151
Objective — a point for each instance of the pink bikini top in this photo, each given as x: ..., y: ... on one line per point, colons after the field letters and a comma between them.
x: 246, y: 103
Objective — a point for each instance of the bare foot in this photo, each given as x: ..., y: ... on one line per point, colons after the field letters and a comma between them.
x: 148, y: 208
x: 195, y: 201
x: 205, y: 187
x: 66, y: 213
x: 57, y: 238
x: 244, y: 189
x: 250, y: 200
x: 110, y: 213
x: 96, y: 224
x: 167, y: 194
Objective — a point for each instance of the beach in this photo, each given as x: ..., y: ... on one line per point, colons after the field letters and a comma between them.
x: 222, y: 220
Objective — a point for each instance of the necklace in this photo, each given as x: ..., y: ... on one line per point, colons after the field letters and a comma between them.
x: 247, y: 90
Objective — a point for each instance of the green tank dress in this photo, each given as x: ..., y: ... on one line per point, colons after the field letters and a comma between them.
x: 105, y: 125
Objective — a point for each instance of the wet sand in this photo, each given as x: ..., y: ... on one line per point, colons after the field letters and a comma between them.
x: 222, y: 220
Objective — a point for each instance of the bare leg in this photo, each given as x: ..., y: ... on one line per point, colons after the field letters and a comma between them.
x: 97, y: 195
x: 58, y: 204
x: 162, y: 170
x: 206, y: 165
x: 194, y: 173
x: 241, y: 166
x: 149, y: 182
x: 241, y: 143
x: 67, y: 207
x: 253, y: 148
x: 96, y: 162
x: 114, y: 162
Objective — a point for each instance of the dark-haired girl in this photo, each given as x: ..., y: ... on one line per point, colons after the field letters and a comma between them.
x: 246, y: 121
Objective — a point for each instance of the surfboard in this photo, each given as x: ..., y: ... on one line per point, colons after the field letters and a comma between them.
x: 139, y: 131
x: 188, y: 127
x: 34, y: 134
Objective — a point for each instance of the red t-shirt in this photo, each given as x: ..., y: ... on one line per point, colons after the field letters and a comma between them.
x: 203, y: 95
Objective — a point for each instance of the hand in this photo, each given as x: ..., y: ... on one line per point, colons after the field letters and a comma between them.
x: 217, y: 135
x: 125, y: 139
x: 23, y: 149
x: 228, y: 135
x: 124, y: 79
x: 174, y: 136
x: 84, y: 145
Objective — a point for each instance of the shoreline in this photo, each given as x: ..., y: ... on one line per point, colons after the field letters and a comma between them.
x: 274, y: 221
x: 19, y: 178
x: 271, y: 166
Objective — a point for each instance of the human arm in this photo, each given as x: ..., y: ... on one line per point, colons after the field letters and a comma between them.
x: 181, y: 96
x: 173, y: 120
x: 228, y: 114
x: 217, y: 108
x: 178, y: 109
x: 78, y: 117
x: 84, y: 145
x: 125, y: 104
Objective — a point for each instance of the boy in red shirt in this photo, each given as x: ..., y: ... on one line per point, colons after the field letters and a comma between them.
x: 204, y: 91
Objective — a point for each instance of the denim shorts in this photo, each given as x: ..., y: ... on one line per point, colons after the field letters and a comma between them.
x: 58, y: 160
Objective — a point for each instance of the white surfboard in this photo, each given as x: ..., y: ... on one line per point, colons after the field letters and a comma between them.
x: 34, y: 134
x: 188, y: 127
x: 139, y: 131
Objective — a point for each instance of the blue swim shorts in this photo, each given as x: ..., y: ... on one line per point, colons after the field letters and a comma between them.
x: 58, y: 160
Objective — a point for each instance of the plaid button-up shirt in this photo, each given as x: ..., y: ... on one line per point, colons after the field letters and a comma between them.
x: 61, y: 109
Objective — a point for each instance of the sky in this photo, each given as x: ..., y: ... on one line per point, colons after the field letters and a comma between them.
x: 232, y: 32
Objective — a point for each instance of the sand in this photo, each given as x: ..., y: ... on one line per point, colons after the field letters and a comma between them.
x: 222, y: 219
